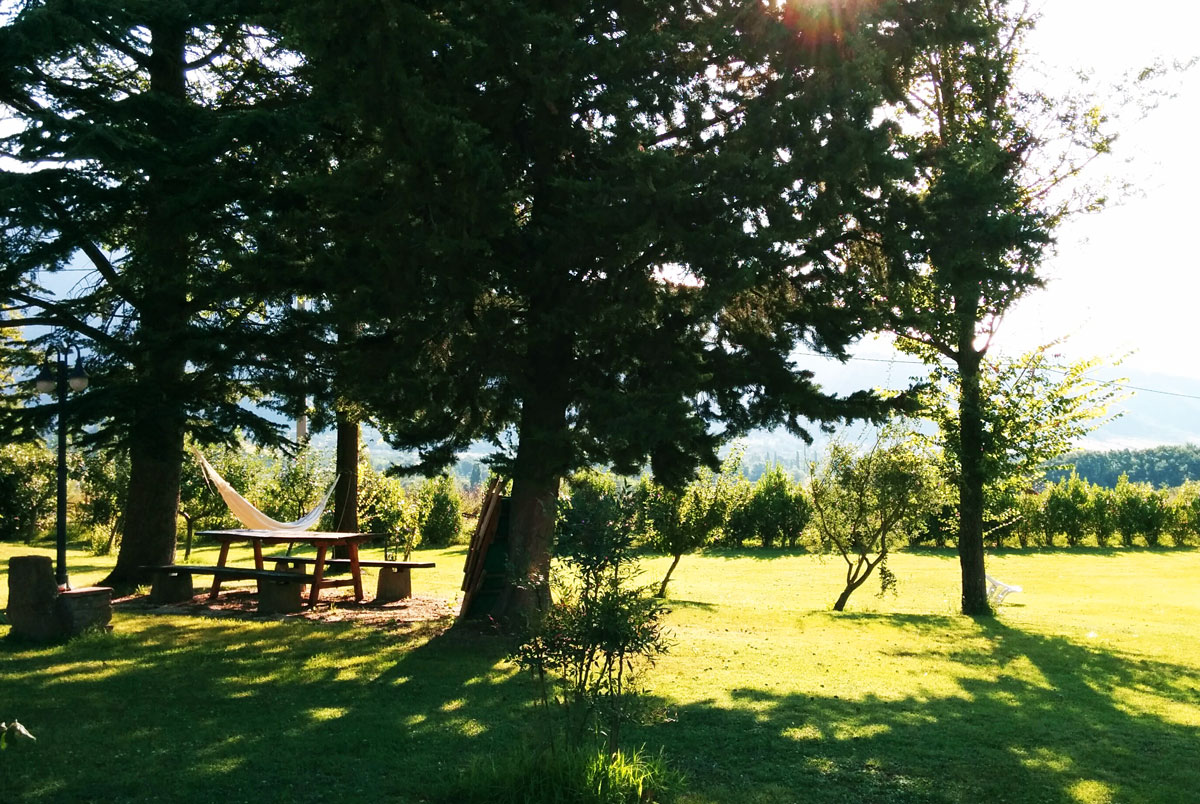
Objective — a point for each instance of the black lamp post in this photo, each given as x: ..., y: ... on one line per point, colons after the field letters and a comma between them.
x: 47, y: 383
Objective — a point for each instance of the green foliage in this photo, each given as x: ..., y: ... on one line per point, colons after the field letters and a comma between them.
x: 384, y: 507
x: 298, y: 484
x: 863, y: 502
x: 1101, y: 514
x: 779, y: 509
x: 27, y: 489
x: 587, y: 649
x: 1066, y: 510
x: 441, y: 512
x: 1185, y: 514
x: 1141, y: 511
x: 678, y: 521
x: 1165, y: 466
x: 595, y: 520
x: 153, y: 134
x: 1035, y: 411
x: 104, y: 480
x: 567, y: 776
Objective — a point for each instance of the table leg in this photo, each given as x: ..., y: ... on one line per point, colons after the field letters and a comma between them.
x: 258, y: 558
x: 355, y: 572
x: 216, y: 584
x: 318, y: 574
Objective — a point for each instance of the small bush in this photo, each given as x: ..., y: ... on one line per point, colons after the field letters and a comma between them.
x: 27, y: 489
x: 779, y: 508
x: 441, y: 512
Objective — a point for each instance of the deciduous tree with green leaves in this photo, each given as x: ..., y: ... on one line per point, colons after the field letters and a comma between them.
x: 1036, y: 409
x: 864, y: 501
x: 994, y: 158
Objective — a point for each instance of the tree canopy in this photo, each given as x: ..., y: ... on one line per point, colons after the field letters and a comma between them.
x: 146, y: 146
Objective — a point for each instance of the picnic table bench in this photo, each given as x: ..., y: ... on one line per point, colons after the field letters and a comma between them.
x: 278, y: 591
x: 395, y: 577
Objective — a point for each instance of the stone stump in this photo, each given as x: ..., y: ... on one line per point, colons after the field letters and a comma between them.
x: 38, y: 611
x: 31, y: 595
x: 395, y: 583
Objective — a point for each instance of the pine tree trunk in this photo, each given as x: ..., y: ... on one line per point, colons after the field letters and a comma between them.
x: 160, y: 269
x: 345, y: 496
x: 151, y: 508
x: 543, y: 458
x: 970, y: 487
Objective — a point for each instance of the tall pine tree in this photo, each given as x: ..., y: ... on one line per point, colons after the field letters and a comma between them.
x: 146, y: 148
x: 597, y: 230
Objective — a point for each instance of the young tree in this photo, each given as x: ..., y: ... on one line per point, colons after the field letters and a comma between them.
x: 862, y: 502
x: 146, y: 145
x: 104, y: 480
x: 1035, y: 411
x: 994, y: 157
x: 779, y: 508
x: 678, y: 522
x: 605, y: 228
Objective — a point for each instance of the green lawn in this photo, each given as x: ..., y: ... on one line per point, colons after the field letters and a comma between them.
x: 1085, y: 688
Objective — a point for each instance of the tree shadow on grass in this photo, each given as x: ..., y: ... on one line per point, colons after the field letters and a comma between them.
x: 188, y: 709
x: 1033, y: 719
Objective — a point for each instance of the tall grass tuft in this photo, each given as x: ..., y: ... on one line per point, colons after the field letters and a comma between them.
x: 570, y: 776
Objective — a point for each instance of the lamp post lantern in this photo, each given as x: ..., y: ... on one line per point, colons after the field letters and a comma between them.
x: 47, y: 383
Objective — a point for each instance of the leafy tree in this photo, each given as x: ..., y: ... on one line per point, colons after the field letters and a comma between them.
x: 600, y: 228
x: 779, y: 508
x: 148, y: 138
x: 980, y: 219
x: 299, y: 483
x: 589, y: 646
x: 678, y: 522
x: 863, y: 502
x: 1032, y: 411
x: 1141, y: 511
x: 1066, y: 510
x: 1185, y: 519
x: 26, y: 490
x: 441, y: 512
x: 384, y: 507
x: 1102, y: 514
x: 104, y: 480
x: 201, y: 505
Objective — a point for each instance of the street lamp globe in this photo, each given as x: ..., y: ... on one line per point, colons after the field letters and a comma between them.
x: 45, y: 380
x: 78, y: 378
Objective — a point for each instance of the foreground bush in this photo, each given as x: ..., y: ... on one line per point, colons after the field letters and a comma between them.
x: 571, y: 776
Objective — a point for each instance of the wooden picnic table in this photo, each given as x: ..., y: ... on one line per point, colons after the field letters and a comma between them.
x: 321, y: 540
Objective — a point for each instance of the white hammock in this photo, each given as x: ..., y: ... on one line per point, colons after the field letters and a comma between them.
x: 250, y: 516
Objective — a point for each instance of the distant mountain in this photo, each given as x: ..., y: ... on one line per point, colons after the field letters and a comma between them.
x: 1146, y: 419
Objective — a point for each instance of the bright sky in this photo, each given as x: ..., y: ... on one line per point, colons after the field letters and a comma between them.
x: 1127, y: 278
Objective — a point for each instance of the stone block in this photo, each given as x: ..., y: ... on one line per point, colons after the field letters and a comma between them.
x: 84, y: 608
x: 31, y: 595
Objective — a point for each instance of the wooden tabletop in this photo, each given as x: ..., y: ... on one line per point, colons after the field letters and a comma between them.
x: 285, y: 536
